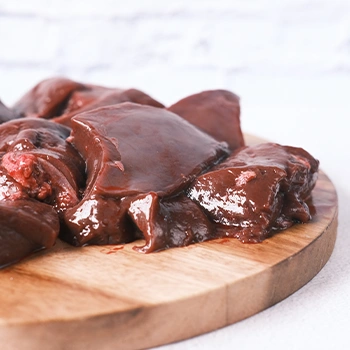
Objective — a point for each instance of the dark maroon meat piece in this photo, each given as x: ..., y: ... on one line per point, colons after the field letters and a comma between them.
x: 26, y: 226
x: 61, y: 99
x: 6, y: 113
x: 41, y: 163
x: 98, y: 220
x: 216, y: 112
x: 131, y: 150
x: 169, y: 222
x: 257, y: 189
x: 94, y: 96
x: 40, y: 177
x: 46, y: 99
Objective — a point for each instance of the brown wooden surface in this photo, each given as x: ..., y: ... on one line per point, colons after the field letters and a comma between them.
x: 112, y: 297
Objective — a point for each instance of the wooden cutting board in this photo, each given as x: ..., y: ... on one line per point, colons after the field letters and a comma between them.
x: 111, y: 297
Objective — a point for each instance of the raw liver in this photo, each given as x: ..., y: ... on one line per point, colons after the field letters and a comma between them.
x: 216, y: 112
x: 37, y: 156
x: 61, y: 99
x: 26, y: 226
x: 257, y: 189
x: 130, y: 150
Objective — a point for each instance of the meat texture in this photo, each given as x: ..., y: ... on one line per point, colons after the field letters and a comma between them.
x: 60, y: 99
x: 40, y: 177
x: 47, y: 99
x: 257, y: 189
x: 26, y: 226
x: 169, y: 222
x: 38, y: 158
x: 216, y: 112
x: 132, y: 150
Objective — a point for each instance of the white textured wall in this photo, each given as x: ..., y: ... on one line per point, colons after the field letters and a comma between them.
x: 171, y: 48
x: 284, y: 58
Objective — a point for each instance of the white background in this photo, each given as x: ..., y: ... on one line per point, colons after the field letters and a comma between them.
x: 288, y: 60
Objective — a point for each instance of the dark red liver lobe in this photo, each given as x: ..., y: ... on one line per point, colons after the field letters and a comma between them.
x: 131, y: 150
x: 26, y: 226
x: 169, y: 222
x: 40, y: 177
x: 93, y: 97
x: 38, y: 158
x: 257, y: 189
x: 216, y: 112
x: 46, y: 99
x: 62, y: 98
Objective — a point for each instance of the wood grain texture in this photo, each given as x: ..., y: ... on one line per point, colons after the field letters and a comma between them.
x: 111, y: 297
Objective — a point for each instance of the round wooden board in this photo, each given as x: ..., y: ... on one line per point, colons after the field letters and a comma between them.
x: 112, y: 297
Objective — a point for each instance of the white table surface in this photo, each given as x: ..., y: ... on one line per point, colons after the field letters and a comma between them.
x: 314, y: 115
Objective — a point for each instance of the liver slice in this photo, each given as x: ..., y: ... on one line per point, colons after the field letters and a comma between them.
x: 47, y: 98
x: 26, y: 226
x: 40, y: 177
x: 257, y: 189
x: 216, y: 112
x: 38, y: 158
x: 62, y: 98
x: 169, y: 222
x: 131, y: 150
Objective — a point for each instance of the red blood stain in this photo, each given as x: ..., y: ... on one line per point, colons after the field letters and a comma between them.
x: 111, y: 250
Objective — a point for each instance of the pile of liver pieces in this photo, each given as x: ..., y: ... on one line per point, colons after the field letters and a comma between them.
x: 96, y: 165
